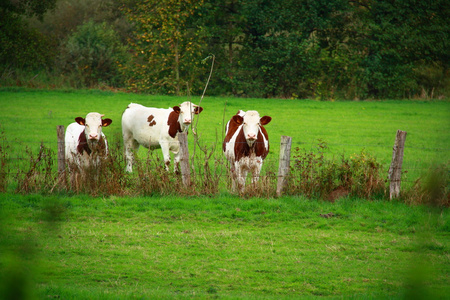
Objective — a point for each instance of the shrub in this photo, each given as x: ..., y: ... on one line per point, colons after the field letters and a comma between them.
x: 3, y: 162
x: 431, y: 188
x: 40, y: 176
x: 314, y: 175
x: 95, y: 54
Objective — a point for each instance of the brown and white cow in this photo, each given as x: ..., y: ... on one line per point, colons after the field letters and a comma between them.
x: 85, y: 140
x: 156, y: 128
x: 246, y: 145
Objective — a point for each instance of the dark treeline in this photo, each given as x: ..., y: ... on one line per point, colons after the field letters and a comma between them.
x: 339, y: 49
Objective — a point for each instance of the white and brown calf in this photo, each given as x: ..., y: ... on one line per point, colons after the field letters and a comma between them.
x: 246, y: 145
x: 85, y: 143
x: 156, y: 128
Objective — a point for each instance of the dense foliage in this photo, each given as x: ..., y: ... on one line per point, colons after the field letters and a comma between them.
x: 263, y: 48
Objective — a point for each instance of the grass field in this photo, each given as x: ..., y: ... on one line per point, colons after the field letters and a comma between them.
x: 222, y: 248
x: 29, y: 117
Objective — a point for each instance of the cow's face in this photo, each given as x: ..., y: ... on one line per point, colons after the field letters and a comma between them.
x: 251, y: 122
x: 93, y: 124
x: 186, y: 112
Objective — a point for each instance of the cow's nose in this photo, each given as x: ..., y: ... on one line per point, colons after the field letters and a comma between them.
x: 251, y: 136
x: 187, y: 121
x: 93, y: 136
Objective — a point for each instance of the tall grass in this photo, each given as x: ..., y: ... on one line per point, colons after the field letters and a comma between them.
x: 357, y: 135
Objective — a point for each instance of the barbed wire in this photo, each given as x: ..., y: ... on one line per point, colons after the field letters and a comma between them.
x: 272, y: 143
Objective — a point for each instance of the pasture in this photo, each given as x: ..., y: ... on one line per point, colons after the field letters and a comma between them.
x: 219, y: 245
x: 30, y: 117
x: 222, y: 247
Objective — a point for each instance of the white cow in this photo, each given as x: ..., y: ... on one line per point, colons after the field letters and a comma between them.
x: 246, y: 145
x: 156, y: 128
x: 84, y: 139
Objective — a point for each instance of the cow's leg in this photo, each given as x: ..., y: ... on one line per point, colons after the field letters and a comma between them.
x: 165, y: 147
x: 176, y: 162
x: 256, y: 170
x: 241, y: 176
x: 131, y: 145
x: 233, y: 175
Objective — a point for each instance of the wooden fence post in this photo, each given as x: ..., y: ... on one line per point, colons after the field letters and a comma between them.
x: 395, y: 170
x: 184, y: 158
x: 61, y: 156
x: 284, y: 164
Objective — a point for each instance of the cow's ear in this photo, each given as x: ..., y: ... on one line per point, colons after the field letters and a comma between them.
x: 198, y: 109
x: 176, y: 109
x: 106, y: 122
x: 80, y: 121
x: 238, y: 119
x: 265, y: 120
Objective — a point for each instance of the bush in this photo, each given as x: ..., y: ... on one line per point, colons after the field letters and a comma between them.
x: 94, y: 54
x: 313, y: 175
x: 22, y: 47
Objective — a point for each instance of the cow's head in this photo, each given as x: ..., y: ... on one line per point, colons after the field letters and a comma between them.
x: 251, y: 123
x: 181, y: 117
x: 93, y: 124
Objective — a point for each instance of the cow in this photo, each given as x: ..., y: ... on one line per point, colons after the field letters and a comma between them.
x: 85, y: 143
x: 245, y: 146
x: 156, y: 128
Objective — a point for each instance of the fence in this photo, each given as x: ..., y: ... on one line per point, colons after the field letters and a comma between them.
x: 284, y: 162
x: 282, y: 178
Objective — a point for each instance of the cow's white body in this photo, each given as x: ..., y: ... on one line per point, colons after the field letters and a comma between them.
x: 85, y: 143
x: 156, y: 128
x: 246, y: 145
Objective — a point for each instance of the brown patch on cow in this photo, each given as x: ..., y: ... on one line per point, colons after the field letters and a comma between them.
x: 151, y: 121
x: 259, y: 144
x: 172, y: 121
x: 82, y: 144
x: 242, y: 149
x: 233, y: 126
x: 84, y: 147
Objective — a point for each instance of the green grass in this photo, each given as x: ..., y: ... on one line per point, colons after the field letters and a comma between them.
x: 29, y: 117
x: 222, y: 247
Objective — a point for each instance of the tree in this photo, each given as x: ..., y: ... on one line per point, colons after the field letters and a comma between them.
x: 395, y: 37
x: 21, y: 46
x: 94, y: 54
x: 166, y: 48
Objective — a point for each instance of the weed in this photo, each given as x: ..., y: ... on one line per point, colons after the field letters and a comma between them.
x: 4, y: 148
x: 40, y: 176
x: 431, y: 188
x: 314, y: 175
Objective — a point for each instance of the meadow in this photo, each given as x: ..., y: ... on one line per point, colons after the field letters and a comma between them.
x: 222, y: 247
x: 30, y: 117
x: 219, y: 245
